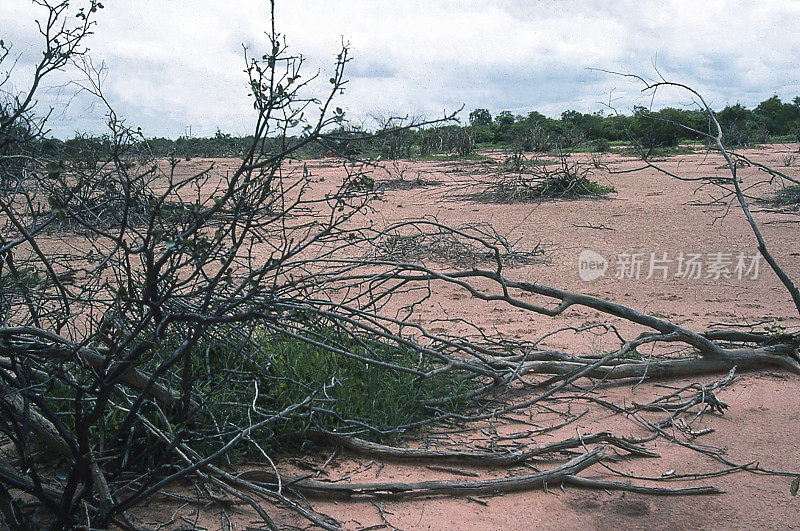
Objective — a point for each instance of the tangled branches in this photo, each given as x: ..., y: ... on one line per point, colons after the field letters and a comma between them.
x: 788, y: 197
x: 160, y: 327
x: 466, y: 246
x: 536, y: 182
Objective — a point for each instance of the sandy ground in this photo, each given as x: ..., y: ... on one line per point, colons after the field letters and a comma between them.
x: 649, y: 213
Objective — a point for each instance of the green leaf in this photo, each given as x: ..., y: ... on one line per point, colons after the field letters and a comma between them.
x: 795, y: 486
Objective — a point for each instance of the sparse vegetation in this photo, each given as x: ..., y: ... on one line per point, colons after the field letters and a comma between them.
x: 788, y: 196
x: 242, y: 376
x: 157, y: 325
x: 537, y: 181
x: 405, y: 184
x: 466, y: 246
x: 656, y: 132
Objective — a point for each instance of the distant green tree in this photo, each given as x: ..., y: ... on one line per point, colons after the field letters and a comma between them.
x: 481, y: 124
x: 664, y: 128
x: 480, y: 117
x: 741, y: 126
x: 778, y: 117
x: 504, y: 119
x: 536, y: 117
x: 503, y: 124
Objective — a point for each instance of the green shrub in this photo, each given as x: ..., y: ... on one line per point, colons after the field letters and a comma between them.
x: 238, y: 383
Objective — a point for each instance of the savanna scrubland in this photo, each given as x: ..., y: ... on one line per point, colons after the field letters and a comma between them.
x: 509, y: 322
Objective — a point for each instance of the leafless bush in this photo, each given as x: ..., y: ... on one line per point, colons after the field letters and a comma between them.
x: 465, y: 246
x: 406, y: 184
x: 598, y: 161
x: 539, y: 182
x: 397, y: 179
x: 787, y: 196
x: 515, y: 160
x: 147, y: 341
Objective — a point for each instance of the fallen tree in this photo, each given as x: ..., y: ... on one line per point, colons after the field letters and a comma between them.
x: 159, y: 326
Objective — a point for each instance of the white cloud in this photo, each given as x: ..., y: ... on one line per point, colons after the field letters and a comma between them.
x: 178, y: 63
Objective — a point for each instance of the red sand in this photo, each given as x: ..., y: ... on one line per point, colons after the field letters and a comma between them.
x: 649, y: 212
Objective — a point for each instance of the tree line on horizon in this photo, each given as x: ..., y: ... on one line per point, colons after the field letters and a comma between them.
x: 770, y: 120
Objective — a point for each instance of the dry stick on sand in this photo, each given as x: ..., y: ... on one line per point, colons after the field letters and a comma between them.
x: 562, y: 474
x: 482, y: 459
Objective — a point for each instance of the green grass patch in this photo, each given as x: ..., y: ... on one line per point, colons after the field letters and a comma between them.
x: 240, y: 383
x: 341, y: 369
x: 357, y: 382
x: 354, y: 389
x: 568, y: 187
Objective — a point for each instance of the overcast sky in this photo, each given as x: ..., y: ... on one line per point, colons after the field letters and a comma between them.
x: 178, y: 63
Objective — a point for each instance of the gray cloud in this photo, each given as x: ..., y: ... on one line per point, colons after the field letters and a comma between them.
x: 179, y: 63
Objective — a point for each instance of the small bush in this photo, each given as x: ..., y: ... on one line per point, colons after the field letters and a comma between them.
x: 356, y: 382
x: 569, y: 180
x: 789, y: 196
x: 405, y: 184
x: 453, y: 249
x: 601, y: 145
x: 351, y: 389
